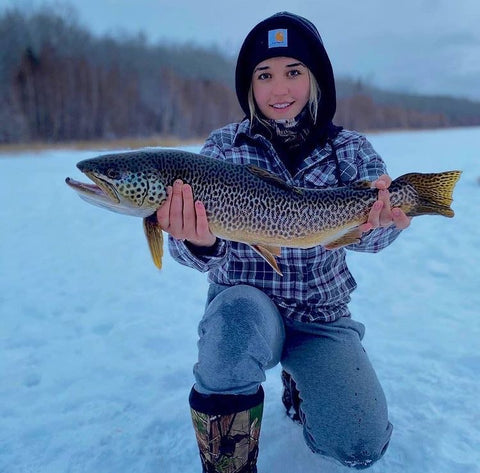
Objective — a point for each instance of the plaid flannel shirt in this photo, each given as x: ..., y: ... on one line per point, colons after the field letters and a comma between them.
x: 316, y: 282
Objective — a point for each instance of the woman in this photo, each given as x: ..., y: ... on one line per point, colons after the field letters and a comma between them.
x: 254, y: 318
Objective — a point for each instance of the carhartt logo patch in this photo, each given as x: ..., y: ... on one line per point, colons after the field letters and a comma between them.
x: 278, y: 38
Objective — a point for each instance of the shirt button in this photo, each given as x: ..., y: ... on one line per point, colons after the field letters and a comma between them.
x: 330, y: 178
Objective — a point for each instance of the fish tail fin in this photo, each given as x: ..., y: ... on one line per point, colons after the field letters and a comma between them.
x: 434, y: 192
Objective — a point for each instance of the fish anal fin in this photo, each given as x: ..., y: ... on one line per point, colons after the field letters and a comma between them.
x: 154, y: 235
x: 268, y: 253
x: 348, y: 238
x: 272, y: 178
x: 274, y: 250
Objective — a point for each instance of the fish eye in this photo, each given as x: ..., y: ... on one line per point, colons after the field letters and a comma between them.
x: 112, y: 173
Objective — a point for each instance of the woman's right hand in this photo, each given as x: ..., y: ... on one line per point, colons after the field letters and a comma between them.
x: 183, y: 218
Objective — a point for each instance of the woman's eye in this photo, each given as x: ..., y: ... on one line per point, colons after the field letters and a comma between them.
x: 294, y: 72
x: 263, y: 76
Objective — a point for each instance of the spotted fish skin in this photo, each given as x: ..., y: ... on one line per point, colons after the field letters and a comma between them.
x: 248, y: 204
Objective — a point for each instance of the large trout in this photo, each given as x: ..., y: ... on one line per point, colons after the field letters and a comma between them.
x: 248, y: 204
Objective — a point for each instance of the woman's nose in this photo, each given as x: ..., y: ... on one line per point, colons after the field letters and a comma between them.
x: 280, y: 87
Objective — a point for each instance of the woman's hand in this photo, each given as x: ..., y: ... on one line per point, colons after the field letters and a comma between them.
x: 183, y: 218
x: 382, y: 214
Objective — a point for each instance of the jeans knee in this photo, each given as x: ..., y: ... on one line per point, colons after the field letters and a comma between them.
x: 231, y: 320
x: 240, y: 337
x: 243, y: 314
x: 360, y: 455
x: 363, y: 457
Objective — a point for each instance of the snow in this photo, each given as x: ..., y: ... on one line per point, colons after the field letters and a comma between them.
x: 97, y: 346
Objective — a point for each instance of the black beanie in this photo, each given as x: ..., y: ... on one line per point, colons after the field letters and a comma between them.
x: 289, y: 35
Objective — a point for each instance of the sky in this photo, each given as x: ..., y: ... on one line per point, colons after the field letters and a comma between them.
x: 423, y: 46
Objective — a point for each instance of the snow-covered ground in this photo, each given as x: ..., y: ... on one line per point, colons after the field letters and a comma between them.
x: 97, y: 346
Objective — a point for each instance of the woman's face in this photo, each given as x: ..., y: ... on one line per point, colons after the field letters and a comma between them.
x: 281, y: 87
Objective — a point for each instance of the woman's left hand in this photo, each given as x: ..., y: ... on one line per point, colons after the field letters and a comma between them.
x: 382, y: 214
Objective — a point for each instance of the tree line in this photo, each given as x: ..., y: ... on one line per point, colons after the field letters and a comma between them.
x: 58, y: 82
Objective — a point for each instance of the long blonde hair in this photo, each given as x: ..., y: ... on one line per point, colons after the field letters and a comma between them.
x: 313, y: 99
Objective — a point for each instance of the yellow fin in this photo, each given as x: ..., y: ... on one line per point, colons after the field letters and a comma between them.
x: 348, y: 239
x: 267, y: 253
x: 154, y: 235
x: 274, y: 250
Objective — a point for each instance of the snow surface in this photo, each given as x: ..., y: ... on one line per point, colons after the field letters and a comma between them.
x: 97, y: 346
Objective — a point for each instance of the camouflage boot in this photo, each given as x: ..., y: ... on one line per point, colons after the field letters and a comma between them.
x: 227, y: 428
x: 291, y: 398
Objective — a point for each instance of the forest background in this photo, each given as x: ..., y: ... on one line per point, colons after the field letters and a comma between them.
x: 61, y: 83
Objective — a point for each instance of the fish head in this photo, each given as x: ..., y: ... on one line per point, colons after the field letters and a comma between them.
x: 126, y: 183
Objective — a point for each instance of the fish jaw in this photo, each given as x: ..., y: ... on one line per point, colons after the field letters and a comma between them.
x: 105, y: 186
x: 102, y: 194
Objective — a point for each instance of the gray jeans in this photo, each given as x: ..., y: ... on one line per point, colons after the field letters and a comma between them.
x: 344, y: 410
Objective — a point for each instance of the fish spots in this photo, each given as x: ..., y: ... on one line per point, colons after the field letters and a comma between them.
x: 157, y: 192
x: 133, y: 187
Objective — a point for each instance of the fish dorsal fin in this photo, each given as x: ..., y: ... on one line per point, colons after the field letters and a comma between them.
x: 154, y: 235
x: 268, y: 253
x: 272, y: 178
x: 361, y: 185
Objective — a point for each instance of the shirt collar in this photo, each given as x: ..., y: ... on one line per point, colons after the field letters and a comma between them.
x: 243, y: 131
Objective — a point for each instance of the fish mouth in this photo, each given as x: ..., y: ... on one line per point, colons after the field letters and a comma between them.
x: 100, y: 191
x: 103, y: 194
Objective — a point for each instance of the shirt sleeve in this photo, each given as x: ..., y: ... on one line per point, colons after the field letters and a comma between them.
x: 197, y: 257
x: 370, y: 167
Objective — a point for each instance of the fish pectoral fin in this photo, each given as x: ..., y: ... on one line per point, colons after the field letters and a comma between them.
x: 268, y: 253
x: 154, y: 235
x: 348, y: 238
x: 272, y: 178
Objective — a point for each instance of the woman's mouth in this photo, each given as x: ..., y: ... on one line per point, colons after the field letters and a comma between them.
x: 282, y: 105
